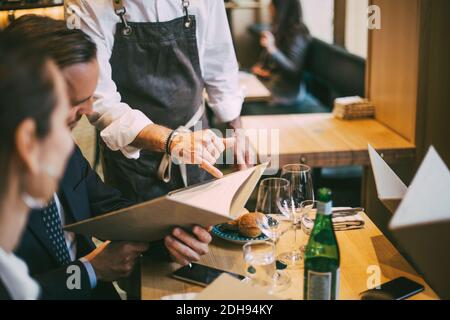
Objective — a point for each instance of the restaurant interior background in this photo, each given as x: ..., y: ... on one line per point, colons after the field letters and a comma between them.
x: 403, y: 68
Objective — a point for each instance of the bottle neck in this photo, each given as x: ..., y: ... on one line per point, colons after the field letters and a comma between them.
x: 324, y: 215
x: 325, y: 208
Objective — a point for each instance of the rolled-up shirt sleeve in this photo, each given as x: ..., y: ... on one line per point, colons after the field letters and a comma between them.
x: 119, y: 124
x: 220, y: 67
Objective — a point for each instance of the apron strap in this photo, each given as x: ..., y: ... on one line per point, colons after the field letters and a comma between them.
x: 187, y: 17
x: 120, y: 10
x: 165, y: 166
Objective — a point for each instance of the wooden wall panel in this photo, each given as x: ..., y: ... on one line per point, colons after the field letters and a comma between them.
x: 434, y: 95
x: 339, y: 22
x: 56, y: 13
x: 393, y: 68
x: 408, y: 79
x: 392, y: 84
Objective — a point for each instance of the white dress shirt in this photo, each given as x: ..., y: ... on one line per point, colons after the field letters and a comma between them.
x: 120, y: 123
x: 14, y: 275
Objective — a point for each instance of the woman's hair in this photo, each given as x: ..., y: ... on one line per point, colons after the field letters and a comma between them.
x: 65, y: 46
x: 26, y: 92
x: 288, y: 21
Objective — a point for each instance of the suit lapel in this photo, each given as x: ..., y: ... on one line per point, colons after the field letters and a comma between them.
x: 73, y: 190
x: 36, y: 223
x: 76, y: 200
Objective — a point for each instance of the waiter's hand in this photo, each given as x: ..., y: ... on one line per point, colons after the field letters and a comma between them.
x: 202, y: 148
x: 244, y: 154
x: 114, y: 260
x: 185, y: 247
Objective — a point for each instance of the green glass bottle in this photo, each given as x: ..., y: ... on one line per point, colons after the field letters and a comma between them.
x: 321, y: 277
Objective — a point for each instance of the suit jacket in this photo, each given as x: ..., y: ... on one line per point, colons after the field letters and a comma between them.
x: 4, y: 294
x: 83, y: 195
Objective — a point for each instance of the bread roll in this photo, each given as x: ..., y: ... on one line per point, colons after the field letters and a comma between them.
x: 248, y: 226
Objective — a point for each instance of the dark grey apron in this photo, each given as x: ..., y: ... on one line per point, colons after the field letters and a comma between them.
x: 156, y: 68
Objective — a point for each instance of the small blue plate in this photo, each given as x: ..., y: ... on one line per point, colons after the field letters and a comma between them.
x: 234, y: 236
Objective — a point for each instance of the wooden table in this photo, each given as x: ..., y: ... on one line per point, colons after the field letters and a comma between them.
x: 254, y: 90
x: 360, y: 250
x: 320, y: 140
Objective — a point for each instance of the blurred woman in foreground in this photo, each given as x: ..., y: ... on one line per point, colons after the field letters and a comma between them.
x: 35, y: 143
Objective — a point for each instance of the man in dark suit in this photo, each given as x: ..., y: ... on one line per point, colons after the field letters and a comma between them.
x: 82, y: 195
x: 66, y: 265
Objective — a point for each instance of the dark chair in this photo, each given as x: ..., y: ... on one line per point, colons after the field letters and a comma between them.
x: 332, y: 72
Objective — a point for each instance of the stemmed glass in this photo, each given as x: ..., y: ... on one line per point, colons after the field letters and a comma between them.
x: 271, y: 192
x: 301, y: 189
x: 308, y: 214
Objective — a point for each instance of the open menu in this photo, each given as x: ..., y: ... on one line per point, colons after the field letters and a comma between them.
x: 390, y: 188
x: 421, y: 215
x: 205, y: 205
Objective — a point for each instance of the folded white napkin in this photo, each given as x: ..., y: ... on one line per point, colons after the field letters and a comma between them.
x: 340, y: 222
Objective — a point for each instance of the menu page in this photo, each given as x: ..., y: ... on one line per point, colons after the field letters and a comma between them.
x: 427, y: 200
x: 216, y: 196
x: 389, y: 185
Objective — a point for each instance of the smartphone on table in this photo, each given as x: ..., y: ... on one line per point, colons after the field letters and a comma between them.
x: 200, y: 274
x: 398, y: 289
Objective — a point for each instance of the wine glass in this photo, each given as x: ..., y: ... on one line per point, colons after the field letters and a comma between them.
x: 271, y: 191
x: 301, y: 189
x: 308, y: 211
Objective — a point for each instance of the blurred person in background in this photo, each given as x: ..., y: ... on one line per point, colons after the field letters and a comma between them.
x: 35, y: 143
x: 285, y: 49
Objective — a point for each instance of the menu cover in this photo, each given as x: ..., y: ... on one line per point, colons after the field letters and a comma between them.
x: 390, y: 188
x: 421, y: 220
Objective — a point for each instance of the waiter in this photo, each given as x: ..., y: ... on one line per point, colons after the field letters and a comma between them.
x: 156, y: 59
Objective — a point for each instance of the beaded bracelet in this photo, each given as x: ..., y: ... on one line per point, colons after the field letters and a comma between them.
x: 169, y: 140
